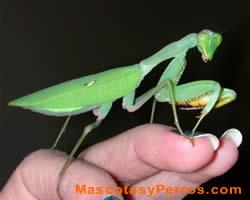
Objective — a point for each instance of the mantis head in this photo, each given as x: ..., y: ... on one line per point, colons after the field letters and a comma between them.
x: 208, y: 41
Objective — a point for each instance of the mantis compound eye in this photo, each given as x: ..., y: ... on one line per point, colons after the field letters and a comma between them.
x: 207, y: 42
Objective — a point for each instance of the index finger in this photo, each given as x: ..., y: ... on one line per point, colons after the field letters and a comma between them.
x: 146, y: 150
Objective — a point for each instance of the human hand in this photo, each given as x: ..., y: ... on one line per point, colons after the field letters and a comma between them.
x: 145, y: 156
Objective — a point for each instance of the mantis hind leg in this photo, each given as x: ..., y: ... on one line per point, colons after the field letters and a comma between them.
x: 61, y: 132
x: 101, y: 112
x: 70, y: 114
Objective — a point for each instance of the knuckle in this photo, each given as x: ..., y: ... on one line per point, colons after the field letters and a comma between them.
x: 34, y: 157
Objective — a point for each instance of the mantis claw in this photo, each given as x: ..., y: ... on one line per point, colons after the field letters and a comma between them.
x: 198, y: 116
x: 204, y: 58
x: 191, y: 140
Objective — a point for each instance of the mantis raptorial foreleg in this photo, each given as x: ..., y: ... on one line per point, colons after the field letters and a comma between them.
x: 175, y: 69
x: 211, y: 103
x: 198, y: 95
x: 173, y: 72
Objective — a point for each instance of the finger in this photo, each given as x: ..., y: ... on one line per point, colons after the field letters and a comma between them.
x: 145, y: 150
x: 37, y: 176
x: 224, y: 158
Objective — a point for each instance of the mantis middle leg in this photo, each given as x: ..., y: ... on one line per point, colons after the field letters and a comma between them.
x: 132, y: 105
x: 67, y: 122
x: 61, y: 132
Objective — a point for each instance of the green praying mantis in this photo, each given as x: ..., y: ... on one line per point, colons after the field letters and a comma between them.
x: 97, y: 92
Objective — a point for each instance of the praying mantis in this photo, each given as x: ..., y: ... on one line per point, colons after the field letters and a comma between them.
x: 97, y: 92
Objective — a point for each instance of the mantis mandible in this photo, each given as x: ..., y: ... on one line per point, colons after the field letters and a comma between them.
x: 97, y: 92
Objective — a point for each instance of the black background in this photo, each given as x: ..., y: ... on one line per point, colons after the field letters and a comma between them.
x: 47, y: 42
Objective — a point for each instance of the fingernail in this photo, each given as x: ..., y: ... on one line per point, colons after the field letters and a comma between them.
x: 212, y: 138
x: 111, y: 197
x: 234, y: 135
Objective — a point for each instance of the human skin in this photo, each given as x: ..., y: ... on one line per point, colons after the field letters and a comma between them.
x: 143, y: 156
